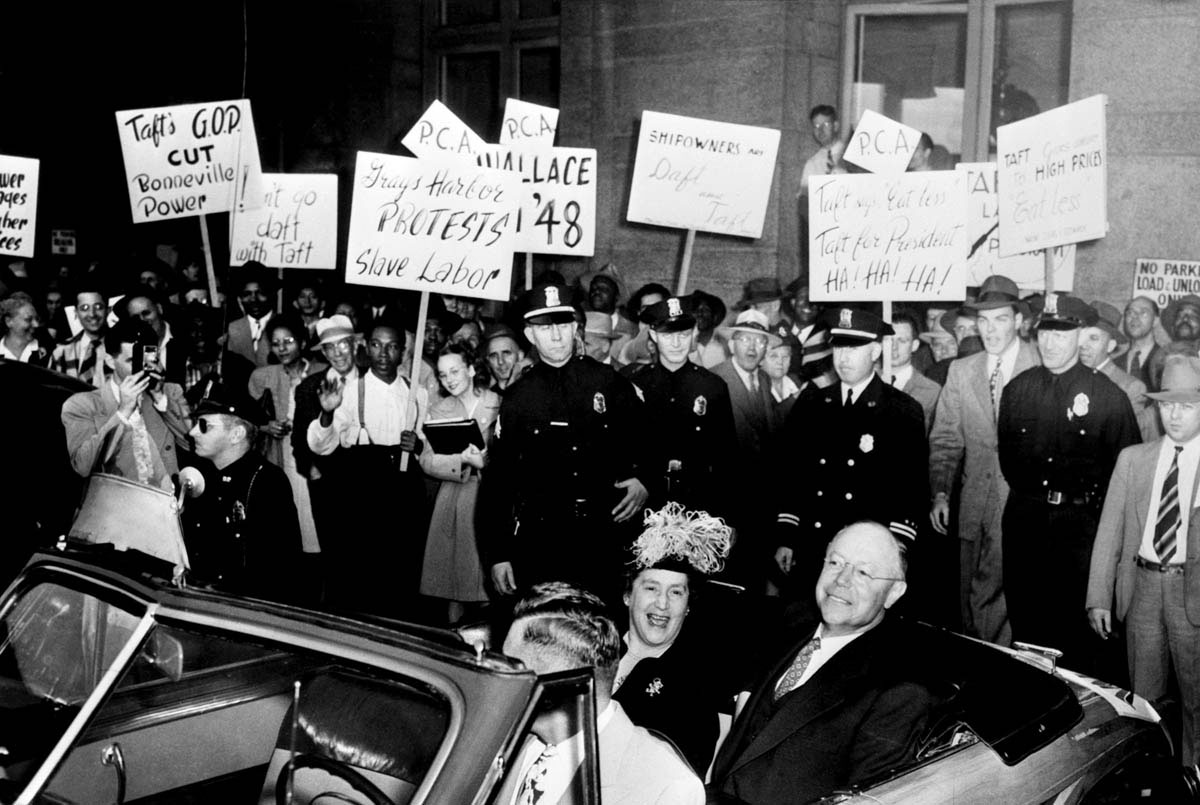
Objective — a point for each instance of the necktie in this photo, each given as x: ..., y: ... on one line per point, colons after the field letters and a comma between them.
x: 829, y: 160
x: 849, y: 398
x: 754, y: 382
x: 996, y: 385
x: 795, y: 672
x: 1135, y: 364
x: 533, y: 787
x: 98, y: 354
x: 1168, y: 512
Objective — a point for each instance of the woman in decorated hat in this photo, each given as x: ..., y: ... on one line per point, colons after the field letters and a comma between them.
x: 665, y: 681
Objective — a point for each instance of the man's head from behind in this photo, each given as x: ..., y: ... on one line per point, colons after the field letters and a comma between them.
x: 558, y: 627
x: 862, y: 576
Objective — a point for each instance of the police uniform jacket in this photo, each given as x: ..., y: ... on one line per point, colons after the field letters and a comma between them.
x: 838, y: 465
x: 689, y: 421
x: 564, y: 436
x: 1059, y: 435
x: 243, y: 535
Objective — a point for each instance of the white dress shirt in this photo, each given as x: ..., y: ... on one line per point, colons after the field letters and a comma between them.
x: 901, y: 376
x: 1188, y: 460
x: 561, y: 767
x: 749, y: 379
x: 386, y: 413
x: 829, y: 647
x: 1008, y: 362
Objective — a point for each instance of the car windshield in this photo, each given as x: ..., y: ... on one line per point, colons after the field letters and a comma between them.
x: 57, y: 644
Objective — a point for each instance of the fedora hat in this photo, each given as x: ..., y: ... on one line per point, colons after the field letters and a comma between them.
x: 334, y: 328
x: 1172, y: 310
x: 1109, y: 321
x: 1180, y: 380
x: 759, y: 290
x: 997, y: 291
x: 754, y: 322
x: 599, y: 324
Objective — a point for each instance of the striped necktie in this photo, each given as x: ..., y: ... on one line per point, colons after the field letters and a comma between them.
x: 996, y: 385
x: 1168, y: 512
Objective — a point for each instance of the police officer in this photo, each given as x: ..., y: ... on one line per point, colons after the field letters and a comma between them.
x: 853, y: 451
x: 563, y: 495
x: 242, y: 533
x: 691, y: 441
x: 1060, y: 428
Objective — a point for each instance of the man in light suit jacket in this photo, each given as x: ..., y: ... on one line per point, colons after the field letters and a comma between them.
x: 1147, y: 552
x: 127, y: 427
x: 837, y: 709
x: 964, y: 436
x: 558, y: 627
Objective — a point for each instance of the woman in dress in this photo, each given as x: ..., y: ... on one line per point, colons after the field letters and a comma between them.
x: 452, y: 569
x: 277, y: 383
x: 19, y: 320
x: 670, y: 679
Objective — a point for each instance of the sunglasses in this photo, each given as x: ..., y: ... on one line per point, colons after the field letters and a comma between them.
x: 203, y: 425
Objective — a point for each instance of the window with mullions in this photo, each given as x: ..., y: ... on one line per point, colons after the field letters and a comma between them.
x: 957, y: 70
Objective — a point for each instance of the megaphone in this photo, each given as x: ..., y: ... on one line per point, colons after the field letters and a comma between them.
x: 191, y: 483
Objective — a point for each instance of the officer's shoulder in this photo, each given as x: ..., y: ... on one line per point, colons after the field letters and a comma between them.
x: 904, y: 403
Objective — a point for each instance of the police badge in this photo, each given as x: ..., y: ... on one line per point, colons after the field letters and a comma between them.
x: 598, y: 404
x: 700, y: 406
x: 552, y: 296
x: 846, y: 320
x: 674, y: 308
x: 1051, y: 308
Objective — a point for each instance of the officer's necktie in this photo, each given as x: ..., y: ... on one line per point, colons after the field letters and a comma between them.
x: 795, y: 672
x: 533, y: 787
x: 996, y: 385
x: 849, y: 398
x: 1168, y: 512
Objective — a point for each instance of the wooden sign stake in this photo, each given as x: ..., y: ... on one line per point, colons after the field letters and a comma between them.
x: 887, y: 344
x: 208, y: 262
x: 1048, y: 254
x: 528, y: 270
x: 414, y: 379
x: 688, y: 242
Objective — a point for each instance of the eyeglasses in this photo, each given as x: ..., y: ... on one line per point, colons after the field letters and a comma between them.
x: 1181, y: 407
x: 835, y: 564
x: 345, y: 345
x: 283, y: 342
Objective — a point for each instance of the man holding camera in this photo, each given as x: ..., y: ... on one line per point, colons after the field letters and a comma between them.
x: 133, y: 424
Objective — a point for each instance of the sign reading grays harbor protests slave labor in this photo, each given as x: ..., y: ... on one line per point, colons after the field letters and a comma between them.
x: 558, y: 203
x: 1027, y: 270
x: 1053, y: 177
x: 1164, y: 280
x: 18, y: 204
x: 701, y: 174
x: 187, y: 160
x: 295, y: 226
x: 440, y: 224
x: 878, y: 238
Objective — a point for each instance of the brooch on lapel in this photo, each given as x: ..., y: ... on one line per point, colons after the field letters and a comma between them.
x: 655, y: 687
x: 700, y: 406
x: 866, y: 443
x: 1079, y: 406
x: 598, y: 403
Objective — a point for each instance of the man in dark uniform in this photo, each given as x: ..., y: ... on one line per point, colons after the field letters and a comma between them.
x: 1060, y: 428
x: 562, y: 497
x: 691, y: 442
x: 242, y: 533
x: 853, y: 451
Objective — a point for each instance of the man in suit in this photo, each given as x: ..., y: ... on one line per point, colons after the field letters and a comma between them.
x: 962, y: 451
x: 1096, y: 347
x: 749, y: 387
x: 83, y: 354
x: 1146, y: 552
x: 1144, y: 352
x: 248, y: 336
x: 856, y: 449
x: 905, y: 376
x: 134, y: 424
x: 556, y: 628
x: 836, y: 709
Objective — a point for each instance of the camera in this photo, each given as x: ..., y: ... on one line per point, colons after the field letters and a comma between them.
x: 146, y: 357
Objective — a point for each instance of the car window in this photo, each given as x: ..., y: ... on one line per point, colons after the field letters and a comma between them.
x: 217, y: 717
x: 56, y: 644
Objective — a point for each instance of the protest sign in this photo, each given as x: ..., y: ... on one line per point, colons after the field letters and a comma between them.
x: 62, y: 241
x: 294, y: 227
x: 1027, y: 270
x: 880, y: 144
x: 18, y: 204
x: 439, y: 131
x: 892, y: 238
x: 526, y: 122
x: 1165, y: 280
x: 700, y: 174
x: 1053, y: 177
x: 192, y: 159
x: 558, y: 202
x: 440, y: 224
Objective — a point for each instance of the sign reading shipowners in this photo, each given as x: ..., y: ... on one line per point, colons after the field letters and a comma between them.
x: 295, y: 227
x: 438, y: 224
x: 700, y: 174
x: 558, y: 202
x: 18, y: 204
x: 1165, y: 279
x: 1028, y: 269
x: 897, y: 237
x: 189, y: 160
x: 1053, y: 177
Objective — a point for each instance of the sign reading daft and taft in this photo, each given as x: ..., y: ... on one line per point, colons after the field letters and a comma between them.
x: 441, y: 224
x: 18, y: 204
x: 1053, y: 177
x: 187, y: 160
x: 296, y: 225
x: 701, y: 174
x: 893, y: 238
